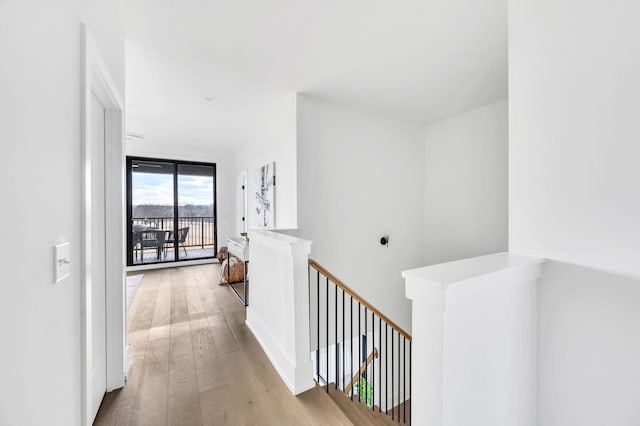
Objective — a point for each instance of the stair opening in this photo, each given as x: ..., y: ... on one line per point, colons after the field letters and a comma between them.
x: 358, y: 351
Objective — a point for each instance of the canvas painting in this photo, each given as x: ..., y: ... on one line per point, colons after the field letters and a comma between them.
x: 265, y: 192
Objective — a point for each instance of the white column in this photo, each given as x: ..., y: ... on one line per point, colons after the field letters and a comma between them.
x: 278, y: 311
x: 474, y: 341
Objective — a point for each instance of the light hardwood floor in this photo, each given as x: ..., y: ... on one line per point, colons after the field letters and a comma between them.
x: 196, y: 363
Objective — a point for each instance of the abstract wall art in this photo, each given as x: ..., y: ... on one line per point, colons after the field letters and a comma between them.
x: 265, y: 196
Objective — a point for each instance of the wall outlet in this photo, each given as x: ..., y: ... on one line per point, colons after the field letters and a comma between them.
x: 61, y: 262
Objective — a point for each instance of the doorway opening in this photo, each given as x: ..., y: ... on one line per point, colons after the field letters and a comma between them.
x: 105, y: 359
x: 171, y: 211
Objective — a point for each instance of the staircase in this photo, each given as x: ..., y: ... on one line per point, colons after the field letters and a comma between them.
x: 347, y: 412
x: 360, y: 414
x: 362, y: 359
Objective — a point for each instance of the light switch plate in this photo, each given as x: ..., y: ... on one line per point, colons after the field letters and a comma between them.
x: 61, y: 262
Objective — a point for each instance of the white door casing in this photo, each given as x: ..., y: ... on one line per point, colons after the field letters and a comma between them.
x: 98, y: 251
x: 242, y: 202
x: 109, y: 213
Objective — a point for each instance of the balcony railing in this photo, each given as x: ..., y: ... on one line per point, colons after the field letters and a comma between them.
x: 201, y: 229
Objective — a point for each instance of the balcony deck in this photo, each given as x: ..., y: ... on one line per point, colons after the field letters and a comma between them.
x: 150, y: 255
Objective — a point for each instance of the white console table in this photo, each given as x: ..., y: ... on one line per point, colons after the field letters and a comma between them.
x: 239, y: 247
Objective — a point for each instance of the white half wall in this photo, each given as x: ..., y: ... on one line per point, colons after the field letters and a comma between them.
x: 573, y: 198
x: 361, y: 174
x: 465, y: 193
x: 474, y: 341
x: 226, y: 181
x: 40, y: 134
x: 278, y: 311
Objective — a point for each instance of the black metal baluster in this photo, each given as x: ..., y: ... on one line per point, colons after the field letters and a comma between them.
x: 327, y: 350
x: 366, y: 356
x: 359, y: 351
x: 404, y: 374
x: 373, y: 361
x: 336, y: 335
x: 393, y: 383
x: 404, y: 378
x: 386, y: 367
x: 343, y: 341
x: 380, y: 364
x: 351, y: 353
x: 398, y: 415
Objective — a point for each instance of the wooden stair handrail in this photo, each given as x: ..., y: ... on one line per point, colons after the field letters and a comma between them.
x: 356, y: 296
x: 363, y: 367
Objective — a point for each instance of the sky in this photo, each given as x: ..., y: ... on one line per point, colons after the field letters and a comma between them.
x: 152, y: 188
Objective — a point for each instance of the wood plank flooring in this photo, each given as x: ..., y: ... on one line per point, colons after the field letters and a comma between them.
x: 196, y: 363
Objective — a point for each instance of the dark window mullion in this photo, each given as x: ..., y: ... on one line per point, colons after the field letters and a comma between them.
x: 176, y: 252
x: 215, y: 209
x: 129, y: 213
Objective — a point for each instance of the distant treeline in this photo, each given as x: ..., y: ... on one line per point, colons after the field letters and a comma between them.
x: 155, y: 210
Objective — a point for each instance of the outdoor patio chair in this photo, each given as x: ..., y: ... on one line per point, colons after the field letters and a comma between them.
x: 182, y: 237
x: 153, y: 239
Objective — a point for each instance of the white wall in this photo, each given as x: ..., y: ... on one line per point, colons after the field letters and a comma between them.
x: 226, y: 181
x: 573, y: 198
x: 273, y: 139
x: 40, y: 188
x: 574, y: 175
x: 588, y: 347
x: 360, y: 174
x: 465, y: 192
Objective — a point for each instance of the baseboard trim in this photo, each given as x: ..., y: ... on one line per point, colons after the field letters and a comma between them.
x: 127, y: 362
x: 295, y: 377
x: 164, y: 265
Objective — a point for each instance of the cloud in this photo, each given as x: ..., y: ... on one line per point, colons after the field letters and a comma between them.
x: 195, y: 190
x: 150, y: 188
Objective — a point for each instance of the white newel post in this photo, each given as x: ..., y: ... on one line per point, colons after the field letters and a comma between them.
x: 278, y: 311
x: 474, y: 341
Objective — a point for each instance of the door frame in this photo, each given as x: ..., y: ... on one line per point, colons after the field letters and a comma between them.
x: 175, y: 177
x: 95, y: 78
x: 243, y: 206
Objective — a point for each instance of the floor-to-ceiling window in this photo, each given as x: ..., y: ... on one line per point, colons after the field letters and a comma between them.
x: 171, y: 210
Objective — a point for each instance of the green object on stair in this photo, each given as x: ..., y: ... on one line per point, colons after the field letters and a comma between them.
x: 364, y: 390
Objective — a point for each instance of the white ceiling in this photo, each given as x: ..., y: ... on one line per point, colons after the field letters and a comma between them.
x: 421, y: 60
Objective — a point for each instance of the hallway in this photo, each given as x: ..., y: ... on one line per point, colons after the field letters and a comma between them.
x: 194, y: 362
